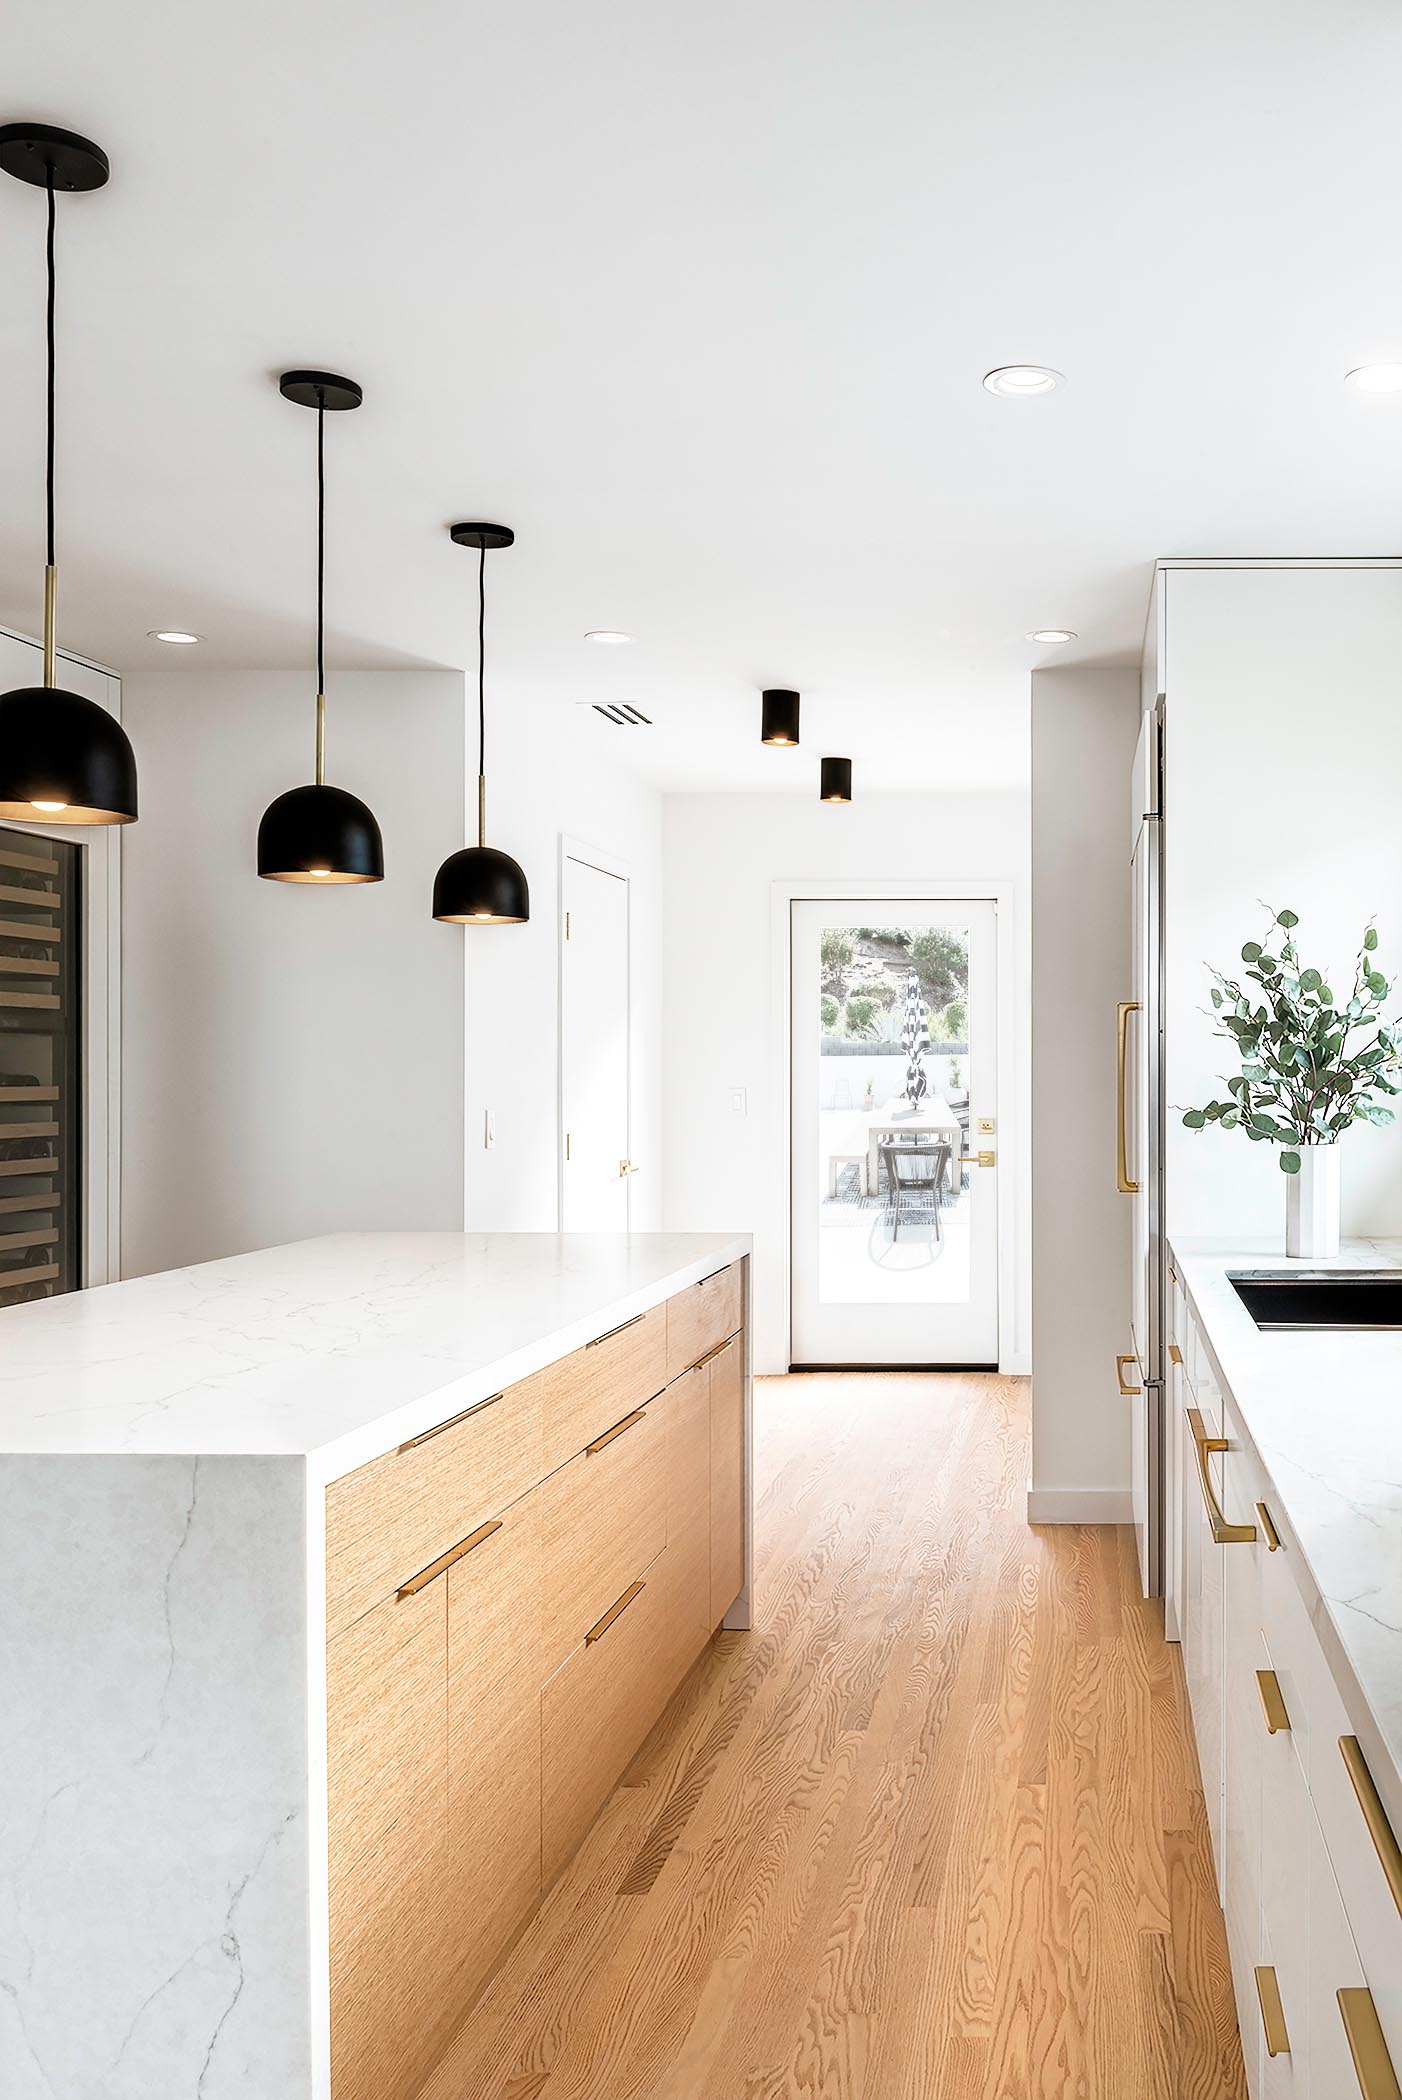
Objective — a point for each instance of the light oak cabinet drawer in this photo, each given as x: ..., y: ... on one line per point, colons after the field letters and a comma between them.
x: 596, y: 1711
x: 603, y: 1518
x: 395, y: 1516
x: 702, y: 1316
x: 588, y: 1392
x: 688, y: 1419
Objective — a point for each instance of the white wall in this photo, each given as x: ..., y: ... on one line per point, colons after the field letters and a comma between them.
x: 1283, y: 750
x: 545, y: 777
x: 1084, y: 727
x: 292, y: 1056
x: 722, y: 856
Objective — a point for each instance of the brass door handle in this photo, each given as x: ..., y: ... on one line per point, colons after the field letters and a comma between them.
x: 1223, y: 1533
x: 1374, y: 1815
x: 1123, y: 1183
x: 1371, y: 2063
x: 1272, y: 2013
x: 1273, y: 1703
x: 625, y: 1168
x: 618, y: 1428
x: 446, y: 1560
x: 597, y: 1632
x: 1129, y: 1392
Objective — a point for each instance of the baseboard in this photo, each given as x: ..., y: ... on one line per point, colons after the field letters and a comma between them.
x: 1080, y: 1506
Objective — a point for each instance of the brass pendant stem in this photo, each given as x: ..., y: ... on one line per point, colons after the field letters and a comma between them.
x: 481, y: 809
x: 320, y: 739
x: 50, y: 624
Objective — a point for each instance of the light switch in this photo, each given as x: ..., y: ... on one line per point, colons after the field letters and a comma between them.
x: 738, y: 1102
x: 489, y: 1129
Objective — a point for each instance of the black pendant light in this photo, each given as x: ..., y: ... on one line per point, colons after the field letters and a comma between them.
x: 320, y: 833
x: 779, y: 723
x: 836, y: 782
x: 63, y: 759
x: 481, y: 886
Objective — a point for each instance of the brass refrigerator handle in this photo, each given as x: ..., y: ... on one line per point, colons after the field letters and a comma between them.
x: 1374, y: 1815
x: 1223, y: 1533
x: 1272, y: 2013
x: 1123, y: 1183
x: 1371, y: 2063
x: 1127, y: 1392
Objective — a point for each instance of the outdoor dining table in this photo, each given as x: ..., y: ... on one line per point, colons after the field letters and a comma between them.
x: 934, y: 1118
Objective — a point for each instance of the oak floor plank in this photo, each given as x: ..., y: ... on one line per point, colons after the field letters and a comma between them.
x: 933, y: 1831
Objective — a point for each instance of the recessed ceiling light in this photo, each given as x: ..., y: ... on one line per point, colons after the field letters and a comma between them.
x: 1022, y: 382
x: 1052, y: 634
x: 177, y: 635
x: 1375, y: 379
x: 608, y: 636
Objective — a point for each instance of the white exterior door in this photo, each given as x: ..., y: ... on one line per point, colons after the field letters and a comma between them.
x: 595, y: 1170
x: 894, y: 1148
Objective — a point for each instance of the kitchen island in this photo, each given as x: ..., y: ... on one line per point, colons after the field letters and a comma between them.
x: 341, y: 1581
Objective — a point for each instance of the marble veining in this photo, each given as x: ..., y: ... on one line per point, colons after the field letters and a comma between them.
x: 1324, y: 1412
x: 330, y: 1348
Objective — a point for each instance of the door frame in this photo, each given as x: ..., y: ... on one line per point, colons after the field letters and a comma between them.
x: 841, y: 889
x: 573, y: 848
x: 100, y: 884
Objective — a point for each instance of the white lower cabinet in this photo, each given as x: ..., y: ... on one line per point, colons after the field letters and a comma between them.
x: 1310, y: 1907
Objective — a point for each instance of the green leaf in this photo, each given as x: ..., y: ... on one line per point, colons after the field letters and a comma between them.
x: 1230, y: 1120
x: 1310, y: 980
x: 1250, y: 952
x: 1370, y: 939
x: 1216, y: 996
x: 1194, y: 1119
x: 1286, y: 918
x: 1377, y: 984
x: 1289, y: 1162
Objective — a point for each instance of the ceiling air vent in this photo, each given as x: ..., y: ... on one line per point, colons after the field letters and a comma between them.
x: 621, y: 715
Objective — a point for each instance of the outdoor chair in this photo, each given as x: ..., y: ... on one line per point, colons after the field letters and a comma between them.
x: 914, y: 1172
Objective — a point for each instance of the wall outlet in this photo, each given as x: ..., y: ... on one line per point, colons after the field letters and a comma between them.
x: 738, y: 1102
x: 489, y: 1129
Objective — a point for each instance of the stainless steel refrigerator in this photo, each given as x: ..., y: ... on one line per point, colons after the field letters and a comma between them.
x: 1140, y: 1146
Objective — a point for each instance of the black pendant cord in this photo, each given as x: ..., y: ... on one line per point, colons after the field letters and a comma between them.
x: 482, y: 697
x: 49, y: 396
x: 321, y: 591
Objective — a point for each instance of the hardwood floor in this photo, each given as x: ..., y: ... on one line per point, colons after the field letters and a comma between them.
x: 933, y: 1830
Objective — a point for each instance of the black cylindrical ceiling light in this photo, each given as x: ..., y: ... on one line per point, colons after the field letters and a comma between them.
x: 63, y: 759
x: 779, y: 722
x: 481, y: 886
x: 836, y: 782
x: 320, y: 833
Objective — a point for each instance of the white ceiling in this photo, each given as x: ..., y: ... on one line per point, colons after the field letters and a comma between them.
x: 698, y: 299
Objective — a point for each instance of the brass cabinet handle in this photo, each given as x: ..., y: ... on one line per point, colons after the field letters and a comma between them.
x: 1223, y: 1533
x: 1272, y: 2013
x: 1128, y: 1391
x: 712, y: 1354
x: 617, y: 1430
x: 596, y: 1633
x: 1374, y: 1815
x: 600, y: 1339
x: 1272, y: 1536
x: 1175, y: 1354
x: 1371, y: 2063
x: 452, y: 1422
x: 446, y: 1560
x: 1123, y: 1183
x: 1273, y: 1703
x: 704, y: 1280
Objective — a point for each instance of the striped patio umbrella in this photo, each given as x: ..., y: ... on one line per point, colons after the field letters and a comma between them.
x: 915, y: 1040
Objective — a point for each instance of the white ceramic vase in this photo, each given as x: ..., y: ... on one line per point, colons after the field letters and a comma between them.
x: 1312, y: 1204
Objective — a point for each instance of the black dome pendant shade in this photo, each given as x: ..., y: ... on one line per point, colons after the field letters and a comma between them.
x: 481, y: 886
x: 835, y: 784
x: 779, y: 721
x: 63, y: 759
x: 320, y: 833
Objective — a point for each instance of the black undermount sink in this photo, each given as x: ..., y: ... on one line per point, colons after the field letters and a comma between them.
x: 1320, y: 1298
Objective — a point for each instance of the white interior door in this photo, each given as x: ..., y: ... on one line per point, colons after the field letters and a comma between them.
x: 596, y: 1170
x: 893, y: 1153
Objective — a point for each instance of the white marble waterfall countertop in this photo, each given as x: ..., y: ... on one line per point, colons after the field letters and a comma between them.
x: 1324, y: 1411
x: 333, y: 1349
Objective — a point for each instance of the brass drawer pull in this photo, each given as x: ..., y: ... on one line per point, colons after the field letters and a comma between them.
x: 713, y: 1275
x: 1175, y: 1354
x: 712, y: 1354
x: 1272, y: 1702
x: 600, y: 1339
x: 1374, y: 1815
x: 1372, y: 2065
x: 446, y: 1560
x: 1127, y: 1391
x: 1272, y: 2013
x: 617, y: 1430
x: 452, y: 1422
x: 1272, y: 1536
x: 1223, y: 1533
x: 596, y: 1633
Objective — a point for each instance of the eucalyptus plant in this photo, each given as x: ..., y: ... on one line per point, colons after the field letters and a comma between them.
x: 1310, y: 1064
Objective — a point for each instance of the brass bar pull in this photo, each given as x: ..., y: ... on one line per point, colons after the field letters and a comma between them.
x: 1272, y: 1536
x: 596, y: 1633
x: 600, y: 1339
x: 1223, y: 1533
x: 1127, y: 1391
x: 617, y: 1430
x: 446, y: 1560
x: 1175, y: 1354
x: 1272, y: 1702
x: 712, y: 1277
x: 1371, y: 2063
x: 1123, y: 1183
x: 452, y: 1422
x: 1374, y: 1815
x: 1272, y: 2013
x: 711, y: 1354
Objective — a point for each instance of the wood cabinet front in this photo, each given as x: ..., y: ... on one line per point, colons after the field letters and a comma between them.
x: 727, y: 1369
x: 700, y: 1318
